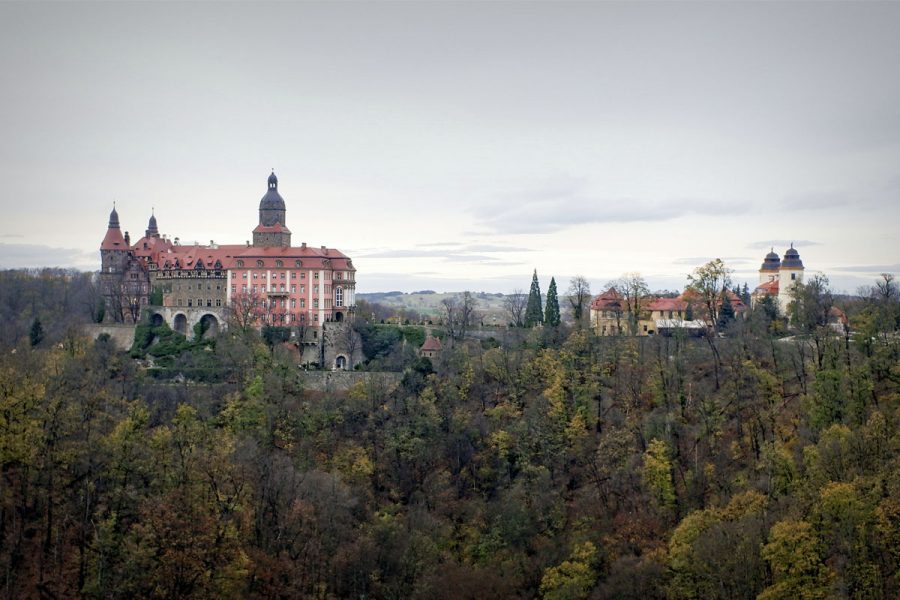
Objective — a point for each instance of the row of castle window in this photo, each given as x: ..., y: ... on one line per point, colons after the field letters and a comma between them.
x: 209, y: 302
x: 283, y: 275
x: 338, y: 292
x: 199, y: 286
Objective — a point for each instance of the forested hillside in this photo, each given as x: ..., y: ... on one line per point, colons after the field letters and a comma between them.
x: 554, y: 465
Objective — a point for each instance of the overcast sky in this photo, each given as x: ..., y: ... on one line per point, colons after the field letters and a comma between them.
x: 460, y: 145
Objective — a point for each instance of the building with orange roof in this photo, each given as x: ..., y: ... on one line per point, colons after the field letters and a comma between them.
x: 268, y: 282
x: 431, y: 347
x: 611, y: 315
x: 777, y: 278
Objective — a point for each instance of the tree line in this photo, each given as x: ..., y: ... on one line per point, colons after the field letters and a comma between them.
x: 546, y: 463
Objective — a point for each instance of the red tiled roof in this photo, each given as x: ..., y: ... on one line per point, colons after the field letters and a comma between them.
x: 667, y: 304
x: 769, y: 288
x: 608, y: 299
x: 432, y: 343
x: 113, y: 240
x: 276, y: 228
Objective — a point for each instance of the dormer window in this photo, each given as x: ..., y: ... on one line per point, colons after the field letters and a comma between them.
x: 240, y: 263
x: 259, y: 263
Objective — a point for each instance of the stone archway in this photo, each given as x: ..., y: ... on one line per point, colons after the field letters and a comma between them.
x: 338, y: 317
x: 340, y: 362
x: 209, y: 326
x: 156, y: 320
x: 180, y: 324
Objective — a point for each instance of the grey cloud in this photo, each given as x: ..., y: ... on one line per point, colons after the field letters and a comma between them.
x: 870, y: 268
x: 699, y: 260
x: 766, y: 244
x: 817, y: 200
x: 15, y: 256
x: 553, y: 209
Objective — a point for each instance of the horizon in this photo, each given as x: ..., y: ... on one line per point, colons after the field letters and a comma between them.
x: 449, y: 147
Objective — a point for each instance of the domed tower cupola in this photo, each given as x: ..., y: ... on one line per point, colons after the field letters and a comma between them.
x: 792, y: 259
x: 768, y: 271
x: 271, y: 230
x: 271, y: 207
x: 152, y: 229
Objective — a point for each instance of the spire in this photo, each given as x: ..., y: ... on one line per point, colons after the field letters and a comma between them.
x: 113, y: 239
x: 113, y: 218
x: 273, y: 181
x: 152, y: 230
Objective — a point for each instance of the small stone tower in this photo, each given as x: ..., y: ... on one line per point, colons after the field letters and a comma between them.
x: 272, y: 230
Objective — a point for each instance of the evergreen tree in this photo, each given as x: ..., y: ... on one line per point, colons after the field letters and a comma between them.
x: 745, y: 294
x: 534, y: 312
x: 726, y: 311
x: 37, y: 332
x: 551, y: 312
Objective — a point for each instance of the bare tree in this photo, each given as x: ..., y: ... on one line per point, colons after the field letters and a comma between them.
x: 514, y: 304
x: 459, y: 314
x: 246, y: 310
x: 579, y: 295
x: 633, y: 289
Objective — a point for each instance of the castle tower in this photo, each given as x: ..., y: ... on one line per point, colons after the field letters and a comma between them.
x: 271, y: 230
x: 769, y: 269
x: 790, y: 274
x: 113, y: 262
x: 152, y: 229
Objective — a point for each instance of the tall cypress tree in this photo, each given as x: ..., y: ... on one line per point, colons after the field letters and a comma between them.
x: 534, y: 312
x: 551, y: 312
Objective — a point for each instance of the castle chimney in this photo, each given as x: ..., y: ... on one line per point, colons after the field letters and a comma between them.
x: 127, y: 239
x: 303, y: 245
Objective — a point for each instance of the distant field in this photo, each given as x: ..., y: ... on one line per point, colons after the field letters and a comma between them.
x: 429, y: 303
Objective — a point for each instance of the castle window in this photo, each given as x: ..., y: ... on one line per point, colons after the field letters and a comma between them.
x: 303, y: 275
x: 338, y: 296
x: 338, y: 275
x: 282, y: 274
x: 293, y: 303
x: 190, y: 302
x: 218, y: 302
x: 278, y: 264
x: 244, y: 275
x: 179, y: 302
x: 302, y: 289
x: 293, y: 289
x: 302, y: 302
x: 316, y: 275
x: 298, y: 264
x: 259, y: 263
x: 256, y: 276
x: 793, y: 276
x: 233, y: 289
x: 244, y: 288
x: 315, y: 304
x: 240, y: 263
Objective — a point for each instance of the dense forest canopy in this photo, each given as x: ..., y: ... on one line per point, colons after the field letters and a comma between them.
x: 544, y: 462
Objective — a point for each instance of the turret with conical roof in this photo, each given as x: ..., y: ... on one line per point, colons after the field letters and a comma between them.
x: 113, y: 239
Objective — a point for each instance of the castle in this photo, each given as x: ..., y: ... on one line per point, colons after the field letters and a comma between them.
x: 778, y: 277
x: 268, y: 282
